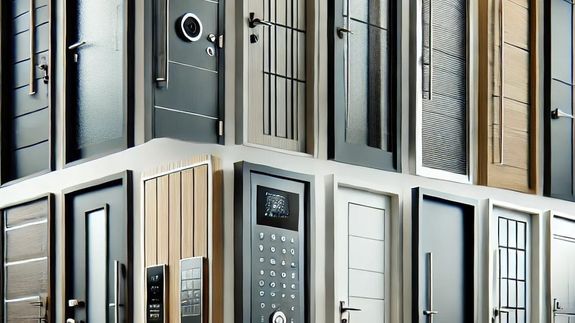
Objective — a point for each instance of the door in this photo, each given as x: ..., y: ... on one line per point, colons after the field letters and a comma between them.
x: 559, y: 100
x: 364, y: 129
x: 363, y: 253
x: 189, y: 70
x: 563, y: 270
x: 97, y: 77
x: 25, y: 51
x: 511, y: 250
x: 98, y: 252
x: 443, y: 258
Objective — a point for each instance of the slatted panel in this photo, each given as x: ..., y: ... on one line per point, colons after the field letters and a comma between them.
x: 201, y: 211
x: 444, y: 114
x: 150, y: 209
x: 175, y: 241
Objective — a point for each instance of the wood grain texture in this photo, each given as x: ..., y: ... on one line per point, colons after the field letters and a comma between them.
x: 26, y: 213
x: 151, y: 220
x: 163, y: 220
x: 201, y: 211
x: 217, y: 238
x: 187, y: 213
x: 174, y: 244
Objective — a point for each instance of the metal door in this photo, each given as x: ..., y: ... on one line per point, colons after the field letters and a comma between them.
x: 443, y: 258
x: 563, y: 270
x: 97, y: 77
x: 188, y: 54
x: 98, y: 253
x: 362, y: 256
x: 559, y: 100
x: 26, y: 63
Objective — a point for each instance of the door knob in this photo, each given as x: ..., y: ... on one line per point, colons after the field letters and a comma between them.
x: 75, y: 303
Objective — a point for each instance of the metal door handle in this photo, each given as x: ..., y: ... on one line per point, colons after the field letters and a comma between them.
x: 70, y: 321
x: 429, y: 313
x: 77, y: 45
x: 46, y: 77
x: 161, y: 40
x: 343, y: 309
x: 341, y: 31
x: 75, y: 303
x: 32, y: 22
x: 498, y: 311
x: 254, y: 22
x: 557, y: 113
x: 117, y: 290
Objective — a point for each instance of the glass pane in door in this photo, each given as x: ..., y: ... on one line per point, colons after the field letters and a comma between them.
x: 97, y: 265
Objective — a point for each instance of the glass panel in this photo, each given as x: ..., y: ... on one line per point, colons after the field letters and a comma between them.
x: 503, y: 263
x: 521, y: 294
x: 512, y: 263
x: 97, y: 265
x: 512, y: 316
x: 503, y: 293
x: 502, y: 232
x: 512, y: 293
x: 100, y: 76
x: 521, y: 317
x: 512, y: 234
x: 521, y: 264
x: 521, y: 235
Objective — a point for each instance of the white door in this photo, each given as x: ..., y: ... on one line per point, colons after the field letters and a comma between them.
x: 563, y: 270
x: 362, y: 256
x: 511, y: 252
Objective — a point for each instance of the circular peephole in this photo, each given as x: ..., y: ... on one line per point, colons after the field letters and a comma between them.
x: 189, y: 27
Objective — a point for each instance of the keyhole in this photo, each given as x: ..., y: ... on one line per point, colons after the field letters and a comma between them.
x: 210, y: 51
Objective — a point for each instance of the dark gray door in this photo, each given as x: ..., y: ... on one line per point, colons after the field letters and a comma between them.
x: 188, y: 54
x: 98, y: 252
x: 363, y: 110
x: 443, y: 258
x: 563, y: 270
x: 559, y: 100
x: 98, y: 78
x: 26, y: 116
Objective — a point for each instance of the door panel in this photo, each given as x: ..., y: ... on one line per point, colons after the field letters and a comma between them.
x: 362, y: 254
x: 99, y: 251
x: 443, y: 258
x: 189, y: 73
x: 563, y: 269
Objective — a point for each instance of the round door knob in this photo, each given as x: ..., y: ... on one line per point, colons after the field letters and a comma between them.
x: 278, y: 317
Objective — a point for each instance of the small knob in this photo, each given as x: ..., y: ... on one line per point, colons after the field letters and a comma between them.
x: 278, y: 317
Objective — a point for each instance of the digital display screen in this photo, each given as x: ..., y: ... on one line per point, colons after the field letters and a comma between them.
x: 277, y: 208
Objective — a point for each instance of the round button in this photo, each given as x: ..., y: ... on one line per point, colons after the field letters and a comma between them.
x: 292, y: 275
x: 292, y: 240
x: 261, y: 247
x: 284, y: 275
x: 261, y: 283
x: 284, y: 251
x: 292, y: 308
x: 272, y: 261
x: 293, y: 265
x: 272, y: 284
x: 262, y: 305
x: 273, y: 236
x: 273, y: 294
x: 283, y: 262
x: 262, y: 259
x: 283, y: 295
x: 292, y: 251
x: 292, y: 296
x: 262, y: 272
x: 272, y: 273
x: 278, y: 317
x: 273, y: 249
x: 283, y: 239
x: 262, y: 293
x: 284, y: 286
x: 292, y: 286
x: 261, y: 235
x: 274, y: 306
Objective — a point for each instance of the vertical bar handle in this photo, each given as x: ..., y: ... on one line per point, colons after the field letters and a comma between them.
x: 430, y: 50
x: 117, y: 291
x: 160, y: 26
x: 502, y: 79
x: 430, y: 312
x: 32, y: 28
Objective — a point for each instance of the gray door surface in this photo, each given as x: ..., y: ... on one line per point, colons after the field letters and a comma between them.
x: 188, y: 54
x: 25, y: 93
x: 443, y: 258
x: 563, y: 270
x: 98, y: 252
x: 559, y: 100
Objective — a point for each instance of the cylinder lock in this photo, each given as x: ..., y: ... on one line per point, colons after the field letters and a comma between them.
x: 189, y: 27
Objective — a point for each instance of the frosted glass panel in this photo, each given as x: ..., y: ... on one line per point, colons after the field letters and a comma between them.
x: 100, y: 76
x: 97, y: 265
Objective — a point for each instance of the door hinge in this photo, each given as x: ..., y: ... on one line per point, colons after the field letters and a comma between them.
x: 220, y: 128
x: 221, y: 41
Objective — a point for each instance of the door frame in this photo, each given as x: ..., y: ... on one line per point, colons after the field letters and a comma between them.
x: 418, y: 194
x: 51, y: 229
x: 51, y: 97
x: 128, y: 63
x: 125, y: 178
x: 395, y: 275
x: 534, y: 295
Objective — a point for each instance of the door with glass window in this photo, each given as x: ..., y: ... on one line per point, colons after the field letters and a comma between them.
x: 563, y: 270
x: 98, y: 252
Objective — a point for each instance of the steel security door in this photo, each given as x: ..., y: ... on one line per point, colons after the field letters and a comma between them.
x: 443, y: 258
x: 98, y: 252
x: 25, y: 105
x: 563, y: 270
x: 363, y: 253
x: 363, y: 109
x: 559, y: 100
x: 188, y: 59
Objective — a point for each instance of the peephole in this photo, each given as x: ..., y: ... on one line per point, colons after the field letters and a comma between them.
x: 189, y: 27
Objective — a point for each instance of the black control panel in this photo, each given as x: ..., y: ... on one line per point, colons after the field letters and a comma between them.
x: 156, y: 294
x: 192, y: 272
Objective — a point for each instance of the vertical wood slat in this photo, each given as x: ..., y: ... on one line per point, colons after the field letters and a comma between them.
x: 174, y: 244
x: 163, y: 220
x: 150, y: 208
x: 187, y: 229
x: 201, y: 211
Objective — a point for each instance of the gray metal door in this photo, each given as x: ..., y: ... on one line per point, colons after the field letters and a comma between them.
x: 188, y: 54
x: 559, y: 100
x: 26, y: 116
x: 563, y: 270
x: 98, y: 253
x: 443, y: 258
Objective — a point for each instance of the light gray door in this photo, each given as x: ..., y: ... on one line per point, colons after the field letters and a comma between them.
x: 563, y: 270
x: 188, y: 54
x: 443, y: 259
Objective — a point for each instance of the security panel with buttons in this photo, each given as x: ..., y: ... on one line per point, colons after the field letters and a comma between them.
x: 156, y: 277
x: 272, y: 212
x: 192, y: 287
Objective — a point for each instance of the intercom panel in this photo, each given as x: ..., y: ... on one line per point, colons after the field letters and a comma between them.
x: 271, y: 230
x: 192, y: 290
x: 156, y: 294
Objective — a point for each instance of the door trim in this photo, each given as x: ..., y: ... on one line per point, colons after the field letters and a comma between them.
x: 471, y: 206
x: 534, y: 295
x: 125, y: 178
x: 52, y: 285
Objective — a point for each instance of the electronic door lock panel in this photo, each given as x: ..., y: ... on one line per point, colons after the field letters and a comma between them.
x: 156, y: 294
x: 271, y: 246
x: 192, y: 290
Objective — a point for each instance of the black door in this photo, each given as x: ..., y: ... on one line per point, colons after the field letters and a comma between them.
x: 559, y: 100
x: 98, y: 252
x: 25, y: 92
x: 188, y: 55
x: 98, y: 77
x: 443, y: 258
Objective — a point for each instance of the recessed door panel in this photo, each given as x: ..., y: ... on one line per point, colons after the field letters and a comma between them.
x: 188, y: 73
x: 563, y: 269
x: 443, y: 258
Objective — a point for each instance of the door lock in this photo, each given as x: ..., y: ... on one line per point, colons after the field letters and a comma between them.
x: 75, y: 303
x: 44, y: 68
x: 254, y: 38
x: 343, y: 309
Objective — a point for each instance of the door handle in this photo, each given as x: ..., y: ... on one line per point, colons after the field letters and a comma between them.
x: 430, y: 313
x: 77, y: 45
x: 117, y: 291
x: 44, y: 68
x: 498, y: 311
x: 557, y: 113
x: 75, y: 303
x: 430, y: 54
x: 343, y: 309
x: 341, y: 31
x: 254, y: 22
x: 32, y: 26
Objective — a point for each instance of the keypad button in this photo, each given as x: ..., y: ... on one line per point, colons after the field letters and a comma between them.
x: 284, y: 286
x: 261, y: 283
x: 262, y: 293
x: 292, y: 251
x: 292, y: 296
x: 273, y: 294
x: 293, y: 286
x: 261, y: 248
x: 292, y: 240
x: 272, y: 284
x: 293, y: 265
x: 283, y: 262
x: 283, y: 238
x: 292, y: 308
x: 284, y: 251
x: 283, y: 295
x: 272, y: 273
x: 263, y: 305
x: 262, y: 272
x: 284, y: 275
x: 261, y: 235
x: 292, y: 275
x: 273, y: 236
x: 273, y: 249
x: 262, y: 259
x: 274, y: 306
x: 272, y: 261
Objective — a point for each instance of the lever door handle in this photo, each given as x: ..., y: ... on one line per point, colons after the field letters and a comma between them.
x: 77, y: 45
x: 343, y: 308
x: 498, y: 311
x: 341, y: 31
x: 254, y: 22
x: 430, y: 312
x: 75, y: 303
x: 557, y: 113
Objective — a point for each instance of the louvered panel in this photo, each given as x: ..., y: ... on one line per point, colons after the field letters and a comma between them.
x: 28, y: 242
x: 20, y: 7
x: 26, y: 214
x: 28, y: 279
x: 448, y: 107
x: 22, y: 23
x: 444, y: 141
x: 448, y: 84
